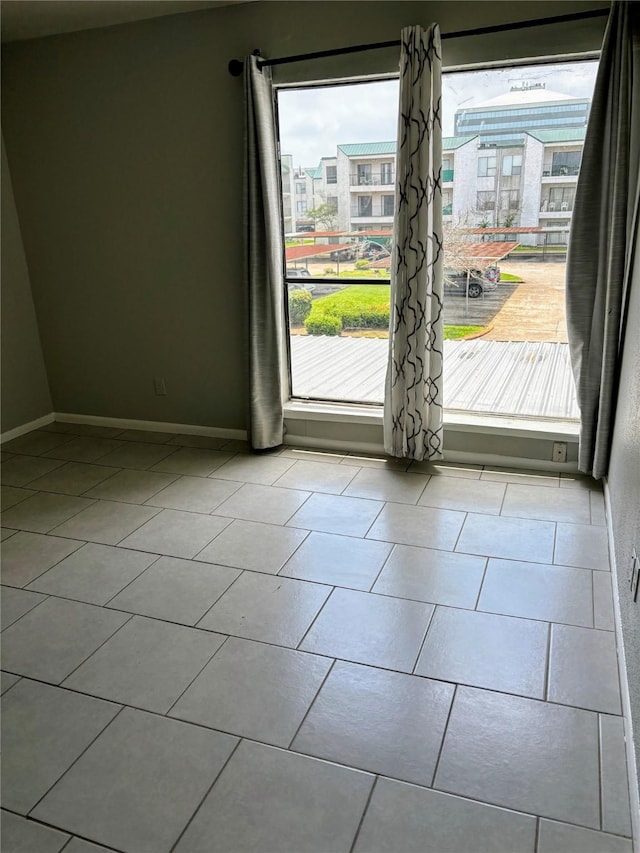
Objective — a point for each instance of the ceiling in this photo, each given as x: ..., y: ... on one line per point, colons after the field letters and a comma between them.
x: 25, y: 19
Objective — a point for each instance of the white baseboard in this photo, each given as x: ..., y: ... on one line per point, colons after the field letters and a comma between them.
x: 151, y: 426
x: 632, y: 770
x: 16, y: 432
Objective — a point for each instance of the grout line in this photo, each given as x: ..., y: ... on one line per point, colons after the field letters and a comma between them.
x: 444, y: 735
x: 206, y: 794
x: 536, y: 840
x: 200, y: 671
x: 312, y: 703
x: 384, y: 563
x: 600, y: 773
x: 316, y: 617
x: 88, y: 658
x: 364, y: 812
x: 424, y: 639
x: 209, y: 609
x: 593, y: 599
x: 78, y: 757
x: 484, y: 574
x: 128, y: 584
x: 547, y: 664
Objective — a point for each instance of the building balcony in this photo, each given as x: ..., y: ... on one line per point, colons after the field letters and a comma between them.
x: 374, y: 210
x: 375, y: 179
x: 556, y: 210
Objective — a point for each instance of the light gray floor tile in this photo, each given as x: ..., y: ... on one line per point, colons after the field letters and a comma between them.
x: 583, y: 669
x: 27, y: 555
x: 603, y: 601
x: 562, y: 838
x: 174, y: 533
x: 579, y: 481
x: 338, y: 560
x: 271, y: 609
x: 84, y: 449
x: 267, y: 799
x: 318, y: 477
x: 254, y: 690
x: 6, y: 533
x: 20, y: 835
x: 131, y: 486
x: 511, y: 538
x: 111, y: 795
x: 370, y: 629
x: 582, y: 545
x: 195, y: 494
x: 525, y: 478
x: 73, y: 478
x: 241, y: 445
x: 11, y: 495
x: 57, y: 426
x: 523, y: 754
x: 464, y: 495
x: 417, y: 525
x: 387, y: 463
x: 538, y: 591
x: 439, y: 577
x: 7, y: 680
x: 175, y: 590
x: 51, y: 640
x: 147, y: 664
x: 434, y: 469
x: 483, y: 650
x: 94, y: 573
x: 146, y: 436
x: 45, y: 730
x: 20, y: 470
x: 387, y: 485
x: 402, y: 816
x: 379, y: 721
x: 36, y: 442
x: 106, y: 522
x: 43, y: 511
x: 310, y: 455
x: 16, y: 602
x: 262, y: 470
x: 337, y: 514
x: 78, y: 845
x: 263, y: 503
x: 206, y: 442
x: 616, y: 816
x: 550, y: 505
x: 193, y: 461
x: 255, y: 546
x: 91, y: 430
x: 130, y: 454
x: 598, y: 512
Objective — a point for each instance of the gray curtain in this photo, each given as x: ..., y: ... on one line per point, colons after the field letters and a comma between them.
x: 603, y: 229
x: 413, y: 406
x: 263, y: 237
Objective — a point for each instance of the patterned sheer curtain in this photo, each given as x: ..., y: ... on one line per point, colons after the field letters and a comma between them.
x: 413, y: 406
x: 603, y: 234
x: 263, y: 240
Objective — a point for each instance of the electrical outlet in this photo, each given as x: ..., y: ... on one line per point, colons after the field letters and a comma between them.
x: 635, y: 575
x: 160, y: 386
x: 559, y: 453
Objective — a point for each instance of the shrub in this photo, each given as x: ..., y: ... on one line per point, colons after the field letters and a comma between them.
x: 323, y: 324
x: 362, y: 264
x: 358, y: 307
x: 299, y: 306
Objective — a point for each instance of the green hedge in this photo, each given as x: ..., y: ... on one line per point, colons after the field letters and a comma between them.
x: 299, y: 306
x: 358, y: 307
x: 323, y: 324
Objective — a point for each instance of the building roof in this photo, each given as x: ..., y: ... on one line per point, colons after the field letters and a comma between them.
x: 568, y: 134
x: 449, y: 143
x: 523, y: 98
x: 364, y: 149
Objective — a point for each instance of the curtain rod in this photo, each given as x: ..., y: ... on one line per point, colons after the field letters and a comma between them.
x: 236, y: 66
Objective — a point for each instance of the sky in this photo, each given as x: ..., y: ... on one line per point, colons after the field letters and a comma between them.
x: 314, y: 121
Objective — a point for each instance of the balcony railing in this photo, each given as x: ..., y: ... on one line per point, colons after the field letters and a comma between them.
x: 372, y: 210
x: 549, y: 206
x: 447, y: 175
x: 375, y: 179
x: 560, y: 171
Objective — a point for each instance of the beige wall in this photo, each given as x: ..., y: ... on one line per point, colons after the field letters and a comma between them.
x: 25, y: 389
x: 125, y: 147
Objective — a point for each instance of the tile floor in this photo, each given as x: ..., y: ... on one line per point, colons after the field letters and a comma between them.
x: 209, y: 650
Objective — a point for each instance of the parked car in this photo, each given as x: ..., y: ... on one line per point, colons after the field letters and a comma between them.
x: 492, y: 273
x: 456, y: 283
x: 301, y: 274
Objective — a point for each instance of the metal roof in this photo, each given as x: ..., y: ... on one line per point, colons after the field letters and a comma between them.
x: 565, y: 134
x: 516, y: 378
x: 514, y: 229
x: 363, y: 149
x: 451, y: 142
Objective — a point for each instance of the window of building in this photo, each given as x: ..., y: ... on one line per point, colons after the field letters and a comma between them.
x: 365, y: 205
x: 509, y: 200
x: 486, y: 166
x: 301, y: 206
x: 301, y: 189
x: 511, y: 164
x: 386, y: 173
x: 566, y: 163
x: 364, y: 174
x: 387, y: 205
x: 486, y: 200
x: 447, y: 202
x: 332, y: 174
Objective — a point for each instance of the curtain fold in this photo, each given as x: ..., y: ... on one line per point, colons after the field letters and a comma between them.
x: 603, y: 232
x: 263, y: 253
x: 413, y: 408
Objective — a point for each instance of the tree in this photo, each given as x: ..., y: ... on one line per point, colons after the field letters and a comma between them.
x: 324, y: 214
